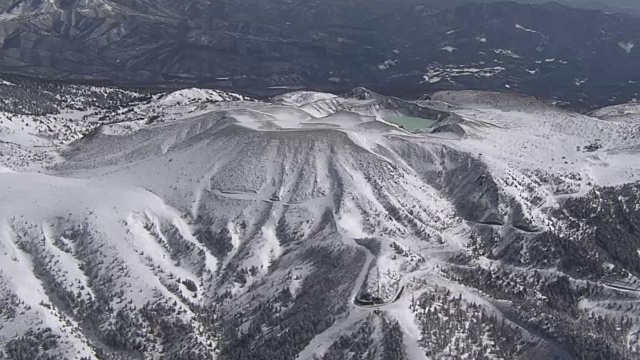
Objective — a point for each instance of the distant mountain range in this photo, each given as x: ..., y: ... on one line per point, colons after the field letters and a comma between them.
x: 407, y: 48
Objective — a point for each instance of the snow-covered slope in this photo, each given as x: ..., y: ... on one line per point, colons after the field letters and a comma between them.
x: 623, y: 112
x: 200, y: 224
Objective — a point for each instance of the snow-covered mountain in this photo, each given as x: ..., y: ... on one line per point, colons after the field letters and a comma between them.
x: 202, y: 224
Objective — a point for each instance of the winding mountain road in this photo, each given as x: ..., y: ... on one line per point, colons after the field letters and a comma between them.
x: 363, y: 303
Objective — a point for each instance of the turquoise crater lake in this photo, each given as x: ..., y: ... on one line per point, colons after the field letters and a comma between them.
x: 411, y: 123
